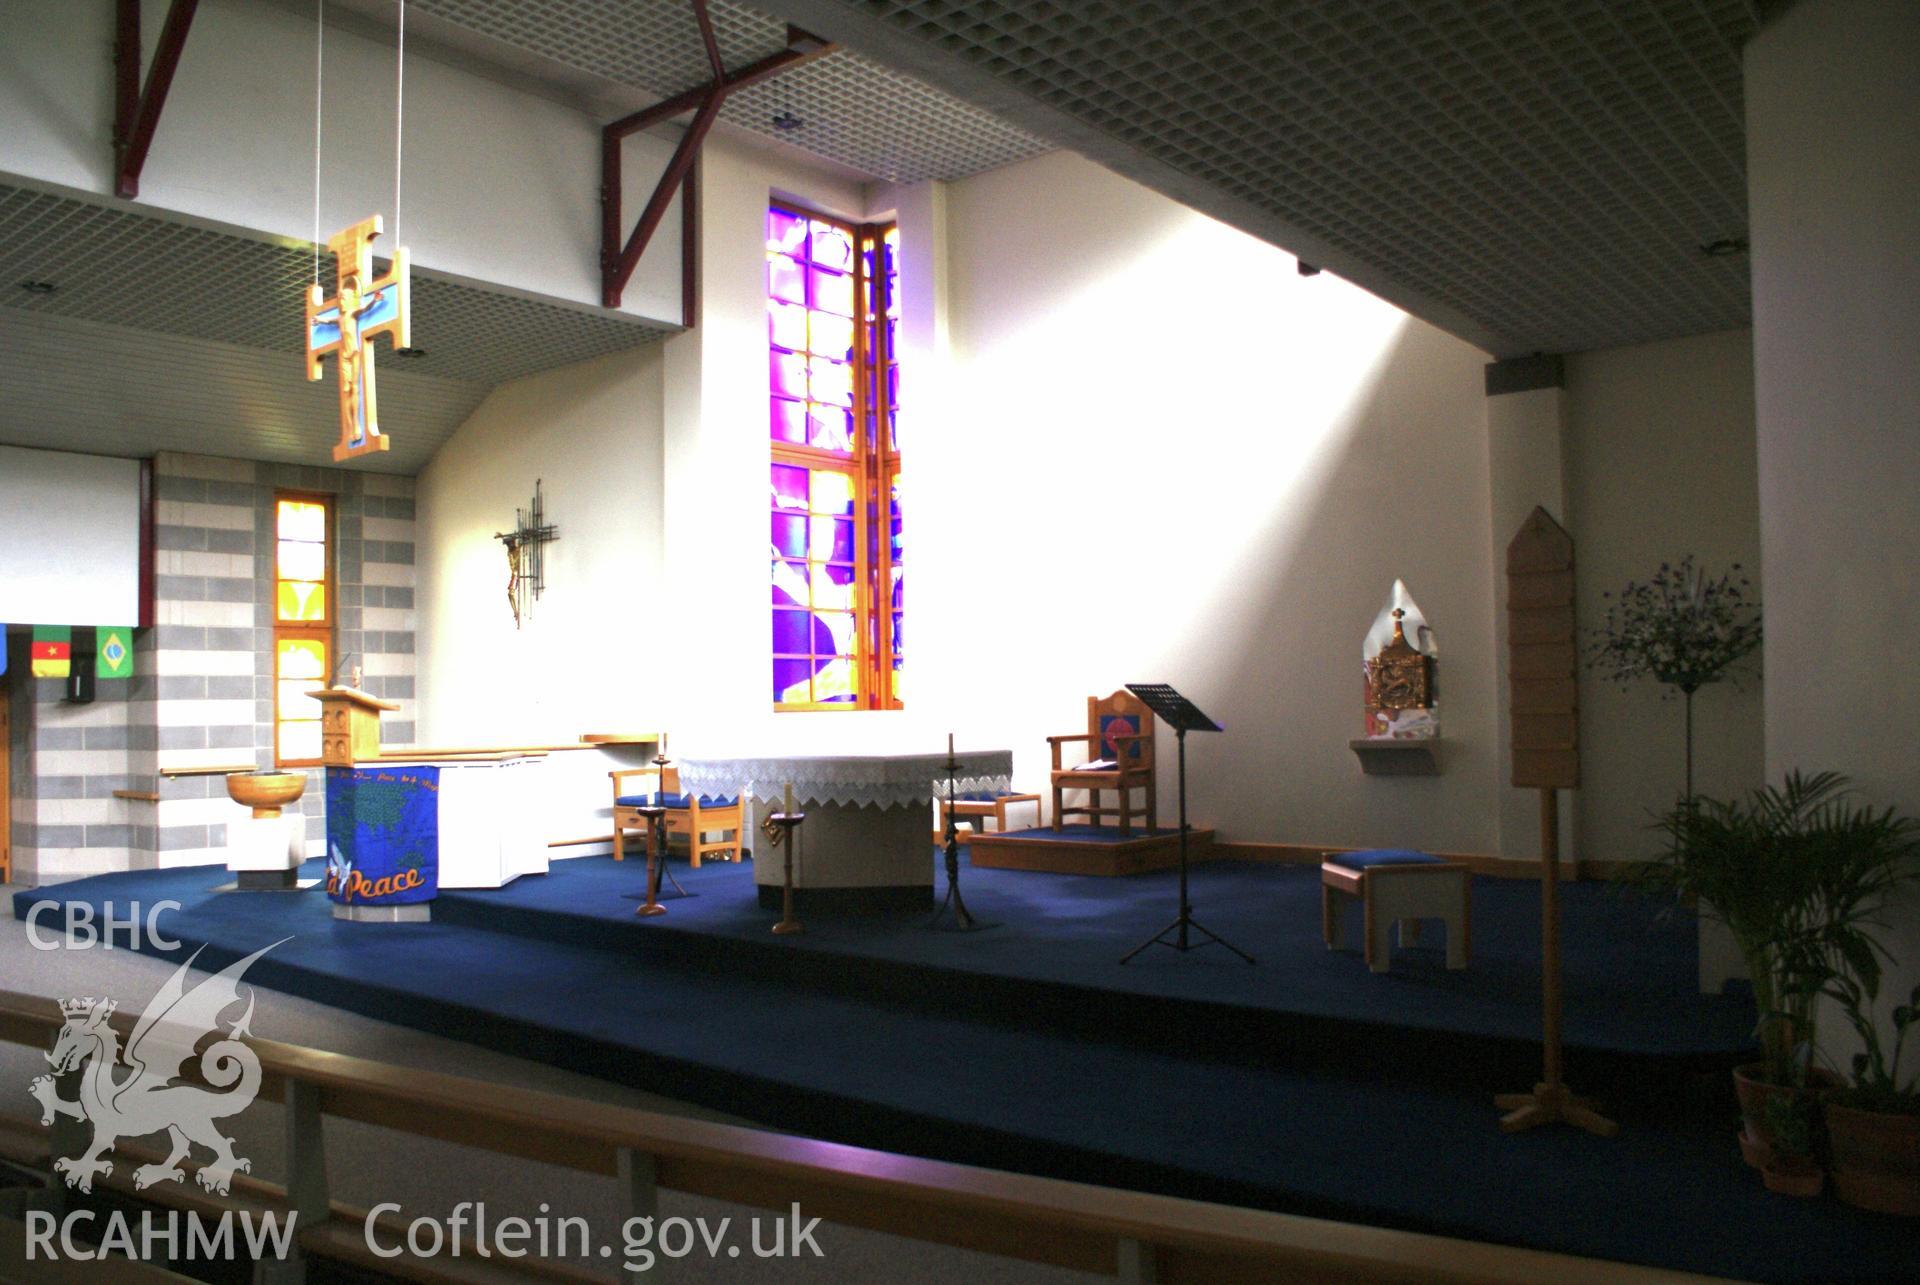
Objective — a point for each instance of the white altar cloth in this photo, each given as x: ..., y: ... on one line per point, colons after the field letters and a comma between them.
x: 855, y: 780
x: 869, y: 819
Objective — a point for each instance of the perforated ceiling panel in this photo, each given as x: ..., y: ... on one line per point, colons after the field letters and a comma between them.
x: 109, y: 263
x: 850, y: 109
x: 228, y: 312
x: 1537, y: 174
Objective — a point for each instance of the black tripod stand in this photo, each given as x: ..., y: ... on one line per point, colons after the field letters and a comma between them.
x: 1181, y: 715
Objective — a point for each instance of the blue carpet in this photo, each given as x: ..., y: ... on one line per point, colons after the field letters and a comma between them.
x: 558, y: 969
x: 1087, y: 834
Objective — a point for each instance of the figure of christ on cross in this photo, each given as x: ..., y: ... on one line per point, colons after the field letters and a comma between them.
x: 363, y: 307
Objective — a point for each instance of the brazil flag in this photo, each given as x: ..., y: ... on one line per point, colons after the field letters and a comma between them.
x: 113, y: 652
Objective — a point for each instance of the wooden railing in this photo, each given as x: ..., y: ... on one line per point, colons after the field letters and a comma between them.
x: 1132, y: 1235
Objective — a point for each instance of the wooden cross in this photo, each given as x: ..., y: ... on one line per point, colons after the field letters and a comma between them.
x: 363, y: 307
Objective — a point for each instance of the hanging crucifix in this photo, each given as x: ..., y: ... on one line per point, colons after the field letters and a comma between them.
x: 363, y: 307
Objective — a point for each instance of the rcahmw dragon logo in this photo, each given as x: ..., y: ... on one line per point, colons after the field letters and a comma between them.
x: 146, y: 1099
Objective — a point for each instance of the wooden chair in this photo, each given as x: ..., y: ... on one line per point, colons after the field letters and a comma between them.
x: 687, y: 814
x: 1120, y: 731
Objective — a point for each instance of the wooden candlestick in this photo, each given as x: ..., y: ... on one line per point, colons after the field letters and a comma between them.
x: 656, y: 816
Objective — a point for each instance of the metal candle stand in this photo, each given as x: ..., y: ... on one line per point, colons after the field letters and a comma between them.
x: 783, y: 823
x: 961, y: 918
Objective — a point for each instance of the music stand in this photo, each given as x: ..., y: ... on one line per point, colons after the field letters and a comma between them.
x: 1182, y: 716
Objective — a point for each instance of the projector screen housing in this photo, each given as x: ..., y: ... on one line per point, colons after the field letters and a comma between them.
x: 69, y: 538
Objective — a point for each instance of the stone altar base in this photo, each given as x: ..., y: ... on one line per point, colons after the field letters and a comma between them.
x: 849, y: 858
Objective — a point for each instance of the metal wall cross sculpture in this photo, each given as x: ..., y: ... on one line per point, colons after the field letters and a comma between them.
x: 526, y: 555
x: 363, y: 307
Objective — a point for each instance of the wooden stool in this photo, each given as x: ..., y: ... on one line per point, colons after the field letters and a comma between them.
x: 1395, y: 885
x: 978, y: 807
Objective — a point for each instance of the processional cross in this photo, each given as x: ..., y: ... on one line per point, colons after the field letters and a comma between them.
x: 363, y: 308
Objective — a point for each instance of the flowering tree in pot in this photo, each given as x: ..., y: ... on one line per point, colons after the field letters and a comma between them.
x: 1682, y: 628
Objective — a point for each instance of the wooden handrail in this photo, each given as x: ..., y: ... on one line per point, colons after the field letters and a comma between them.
x: 1017, y: 1215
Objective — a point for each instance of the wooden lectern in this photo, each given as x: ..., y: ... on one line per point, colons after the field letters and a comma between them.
x: 349, y: 725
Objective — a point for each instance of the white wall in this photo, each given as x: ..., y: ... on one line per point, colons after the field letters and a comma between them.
x: 1169, y: 457
x: 1834, y: 160
x: 1660, y: 463
x: 500, y: 185
x: 590, y: 657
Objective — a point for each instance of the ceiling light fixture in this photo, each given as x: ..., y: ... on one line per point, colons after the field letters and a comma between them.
x: 786, y: 122
x: 1725, y: 248
x: 39, y: 287
x: 410, y: 352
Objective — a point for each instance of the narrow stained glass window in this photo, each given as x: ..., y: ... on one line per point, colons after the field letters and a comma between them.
x: 837, y: 587
x: 303, y: 625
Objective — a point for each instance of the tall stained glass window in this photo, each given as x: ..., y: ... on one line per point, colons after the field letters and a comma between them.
x: 833, y: 382
x: 303, y: 623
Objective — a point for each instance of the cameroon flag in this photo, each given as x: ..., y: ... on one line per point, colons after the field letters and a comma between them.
x: 52, y: 651
x: 113, y: 652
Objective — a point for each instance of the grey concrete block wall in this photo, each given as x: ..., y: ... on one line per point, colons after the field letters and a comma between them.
x: 203, y: 687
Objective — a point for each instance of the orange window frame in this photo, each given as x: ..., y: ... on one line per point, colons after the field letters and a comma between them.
x: 873, y: 467
x: 315, y: 630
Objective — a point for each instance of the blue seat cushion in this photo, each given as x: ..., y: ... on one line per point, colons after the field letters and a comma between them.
x: 979, y: 796
x: 671, y: 801
x: 1371, y: 857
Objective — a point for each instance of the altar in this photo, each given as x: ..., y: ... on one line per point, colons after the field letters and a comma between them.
x: 868, y: 839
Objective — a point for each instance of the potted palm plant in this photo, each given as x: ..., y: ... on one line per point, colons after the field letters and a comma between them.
x: 1796, y: 874
x: 1873, y: 1124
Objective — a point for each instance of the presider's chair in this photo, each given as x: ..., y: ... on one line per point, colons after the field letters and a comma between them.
x: 1119, y: 736
x: 712, y: 825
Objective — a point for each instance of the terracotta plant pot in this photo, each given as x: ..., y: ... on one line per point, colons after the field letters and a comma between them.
x: 1876, y: 1159
x: 1757, y: 1143
x: 1793, y: 1176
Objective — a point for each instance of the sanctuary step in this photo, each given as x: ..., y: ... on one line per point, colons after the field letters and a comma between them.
x: 929, y: 1078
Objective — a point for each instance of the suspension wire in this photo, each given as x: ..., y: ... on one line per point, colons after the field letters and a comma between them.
x: 319, y: 68
x: 399, y: 116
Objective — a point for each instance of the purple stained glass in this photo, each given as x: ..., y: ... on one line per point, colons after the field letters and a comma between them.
x: 787, y: 373
x: 789, y: 584
x: 833, y: 633
x: 788, y: 420
x: 786, y: 233
x: 790, y: 535
x: 830, y: 428
x: 832, y: 587
x: 786, y: 325
x: 830, y: 381
x: 832, y: 292
x: 896, y: 538
x: 789, y: 486
x: 893, y: 430
x: 830, y: 336
x: 791, y: 680
x: 893, y: 383
x: 899, y: 585
x: 833, y: 539
x: 832, y: 493
x: 786, y: 279
x: 793, y: 633
x: 897, y: 618
x: 832, y: 248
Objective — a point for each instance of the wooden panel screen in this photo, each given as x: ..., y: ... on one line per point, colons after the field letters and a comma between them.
x: 1544, y: 656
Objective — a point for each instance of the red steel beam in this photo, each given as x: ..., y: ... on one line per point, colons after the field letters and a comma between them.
x: 619, y: 270
x: 137, y: 112
x: 618, y: 261
x: 751, y: 74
